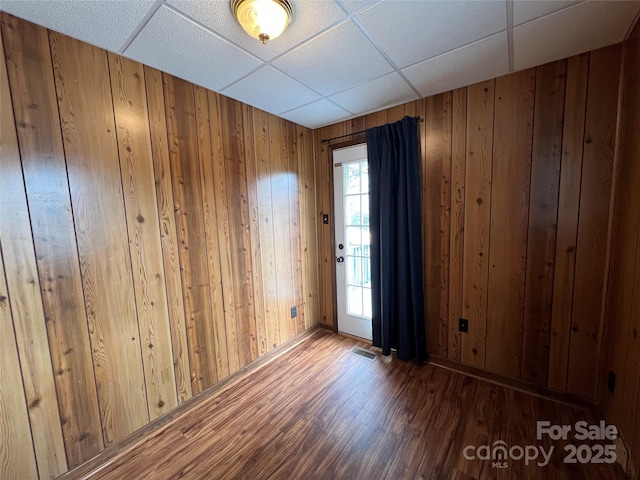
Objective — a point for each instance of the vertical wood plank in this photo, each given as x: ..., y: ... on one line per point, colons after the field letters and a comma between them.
x: 477, y: 218
x: 88, y: 131
x: 456, y: 240
x: 254, y: 229
x: 410, y: 109
x: 26, y: 302
x: 211, y: 219
x: 600, y: 127
x: 207, y: 208
x: 307, y: 218
x: 45, y: 177
x: 395, y: 113
x: 437, y: 172
x: 266, y: 227
x: 621, y: 352
x: 568, y: 206
x: 224, y: 244
x: 513, y: 125
x: 169, y: 241
x: 186, y: 178
x: 17, y: 458
x: 281, y: 224
x: 372, y: 120
x: 629, y: 394
x: 239, y: 243
x: 328, y: 271
x: 294, y: 222
x: 543, y: 217
x: 136, y: 167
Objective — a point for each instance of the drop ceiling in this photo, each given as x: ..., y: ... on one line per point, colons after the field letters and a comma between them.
x: 339, y: 59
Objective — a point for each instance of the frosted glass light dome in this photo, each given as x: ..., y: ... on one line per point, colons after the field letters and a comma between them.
x: 263, y: 19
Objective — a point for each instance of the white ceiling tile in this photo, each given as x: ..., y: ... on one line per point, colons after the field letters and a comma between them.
x: 525, y: 10
x: 317, y: 114
x: 479, y: 61
x: 583, y: 27
x: 386, y: 91
x: 355, y: 5
x: 271, y: 90
x: 105, y: 24
x: 174, y: 44
x: 424, y: 29
x: 309, y: 18
x: 336, y: 60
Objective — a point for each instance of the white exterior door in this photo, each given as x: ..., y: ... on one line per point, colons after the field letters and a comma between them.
x: 353, y: 265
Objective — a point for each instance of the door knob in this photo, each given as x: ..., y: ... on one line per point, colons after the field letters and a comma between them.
x: 340, y: 259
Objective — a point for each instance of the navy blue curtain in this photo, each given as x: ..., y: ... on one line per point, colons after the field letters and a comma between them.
x: 396, y: 239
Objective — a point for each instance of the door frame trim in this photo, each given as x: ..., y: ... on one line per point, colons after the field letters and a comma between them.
x: 332, y: 222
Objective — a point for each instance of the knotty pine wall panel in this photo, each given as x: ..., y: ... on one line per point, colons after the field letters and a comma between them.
x: 54, y: 238
x: 477, y: 217
x: 154, y: 237
x: 621, y: 344
x: 136, y: 168
x: 168, y: 235
x: 25, y: 302
x: 516, y: 176
x: 512, y: 136
x: 594, y: 230
x: 85, y: 105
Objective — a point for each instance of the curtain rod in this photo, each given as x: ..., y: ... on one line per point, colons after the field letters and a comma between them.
x: 327, y: 140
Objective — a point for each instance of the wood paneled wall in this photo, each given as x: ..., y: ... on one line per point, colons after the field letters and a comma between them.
x: 517, y: 181
x: 622, y: 328
x: 154, y: 236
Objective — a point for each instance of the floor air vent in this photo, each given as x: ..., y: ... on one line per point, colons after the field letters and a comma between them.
x: 364, y: 353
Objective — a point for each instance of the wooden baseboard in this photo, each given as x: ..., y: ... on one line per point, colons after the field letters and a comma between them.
x: 514, y: 384
x: 111, y: 453
x: 328, y: 328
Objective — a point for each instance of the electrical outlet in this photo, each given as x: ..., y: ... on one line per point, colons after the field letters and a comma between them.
x: 294, y: 312
x: 611, y: 382
x: 463, y: 325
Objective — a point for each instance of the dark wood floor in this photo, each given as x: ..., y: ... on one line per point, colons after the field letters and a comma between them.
x: 319, y: 411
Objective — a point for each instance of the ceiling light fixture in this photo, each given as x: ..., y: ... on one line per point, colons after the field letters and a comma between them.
x: 263, y: 19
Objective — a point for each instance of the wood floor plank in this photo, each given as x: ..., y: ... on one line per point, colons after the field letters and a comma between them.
x: 319, y: 411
